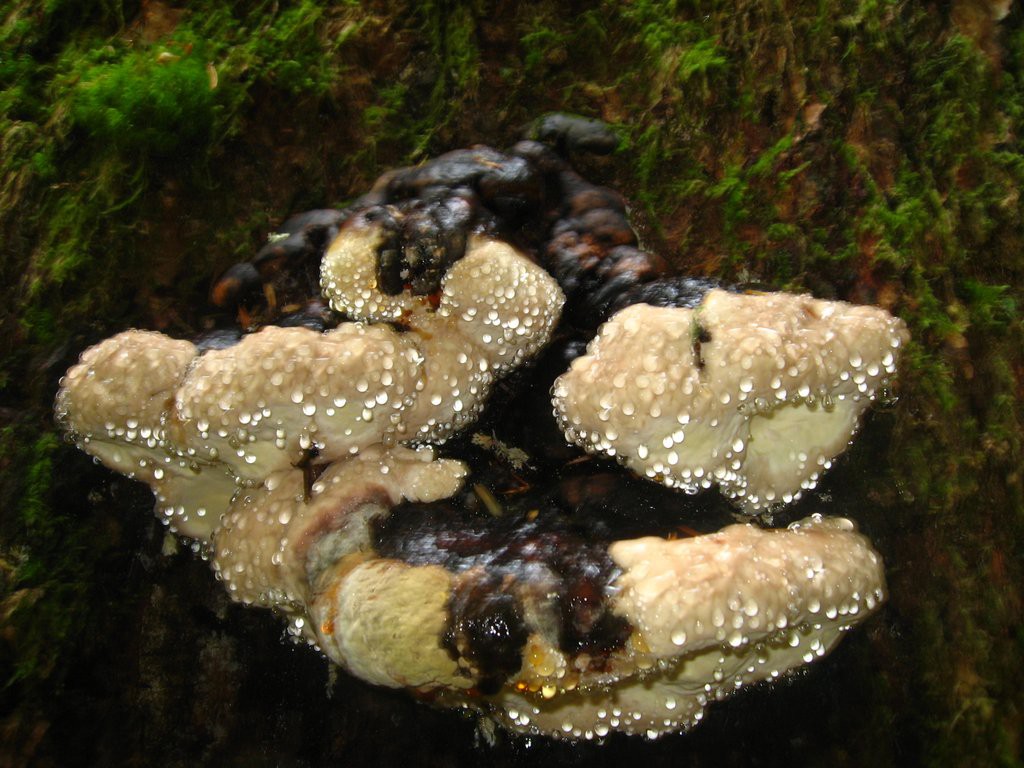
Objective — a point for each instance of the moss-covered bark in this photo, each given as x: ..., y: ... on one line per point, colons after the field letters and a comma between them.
x: 864, y: 149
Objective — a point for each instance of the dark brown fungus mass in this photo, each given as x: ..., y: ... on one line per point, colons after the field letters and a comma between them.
x: 315, y: 447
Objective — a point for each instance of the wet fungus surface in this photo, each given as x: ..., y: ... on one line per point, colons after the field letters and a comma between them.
x: 754, y: 393
x: 316, y: 445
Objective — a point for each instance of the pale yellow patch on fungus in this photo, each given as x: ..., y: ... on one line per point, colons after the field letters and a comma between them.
x: 384, y: 621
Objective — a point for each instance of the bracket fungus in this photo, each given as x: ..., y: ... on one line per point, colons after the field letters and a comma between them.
x: 757, y: 393
x: 316, y: 451
x: 496, y: 308
x: 225, y: 418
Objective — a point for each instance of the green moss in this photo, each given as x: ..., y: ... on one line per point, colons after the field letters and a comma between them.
x: 289, y: 47
x: 541, y: 44
x: 451, y: 29
x: 97, y: 122
x: 79, y: 220
x: 700, y: 62
x: 991, y: 308
x: 651, y: 148
x: 458, y: 50
x: 407, y: 116
x: 40, y: 324
x: 35, y: 503
x: 294, y: 52
x: 145, y: 101
x: 391, y: 99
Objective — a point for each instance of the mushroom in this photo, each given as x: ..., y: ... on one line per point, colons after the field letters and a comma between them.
x: 690, y: 620
x: 755, y: 392
x: 114, y: 405
x: 710, y: 615
x: 705, y: 616
x: 298, y: 454
x: 159, y: 411
x: 496, y: 309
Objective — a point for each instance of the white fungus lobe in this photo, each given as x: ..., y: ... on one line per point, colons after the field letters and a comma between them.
x: 114, y: 404
x: 755, y: 393
x: 710, y: 615
x: 197, y: 428
x: 496, y: 309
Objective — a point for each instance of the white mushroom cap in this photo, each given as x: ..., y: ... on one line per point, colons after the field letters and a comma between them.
x: 273, y: 542
x: 710, y: 614
x: 497, y: 308
x: 755, y: 392
x: 259, y: 404
x: 114, y: 403
x: 194, y: 427
x: 502, y: 302
x: 499, y: 299
x: 743, y: 583
x: 150, y: 407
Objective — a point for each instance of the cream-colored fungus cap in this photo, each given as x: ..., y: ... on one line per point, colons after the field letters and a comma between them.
x: 114, y: 404
x: 756, y: 393
x: 496, y: 309
x: 348, y: 277
x: 260, y: 404
x: 710, y: 614
x: 501, y: 302
x: 504, y: 301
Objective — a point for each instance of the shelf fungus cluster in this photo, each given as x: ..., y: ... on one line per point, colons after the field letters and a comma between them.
x: 316, y: 447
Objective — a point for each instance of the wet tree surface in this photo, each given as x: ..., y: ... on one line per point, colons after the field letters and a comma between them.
x: 864, y: 150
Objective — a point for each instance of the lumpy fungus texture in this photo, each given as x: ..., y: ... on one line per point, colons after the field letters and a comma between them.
x: 315, y: 454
